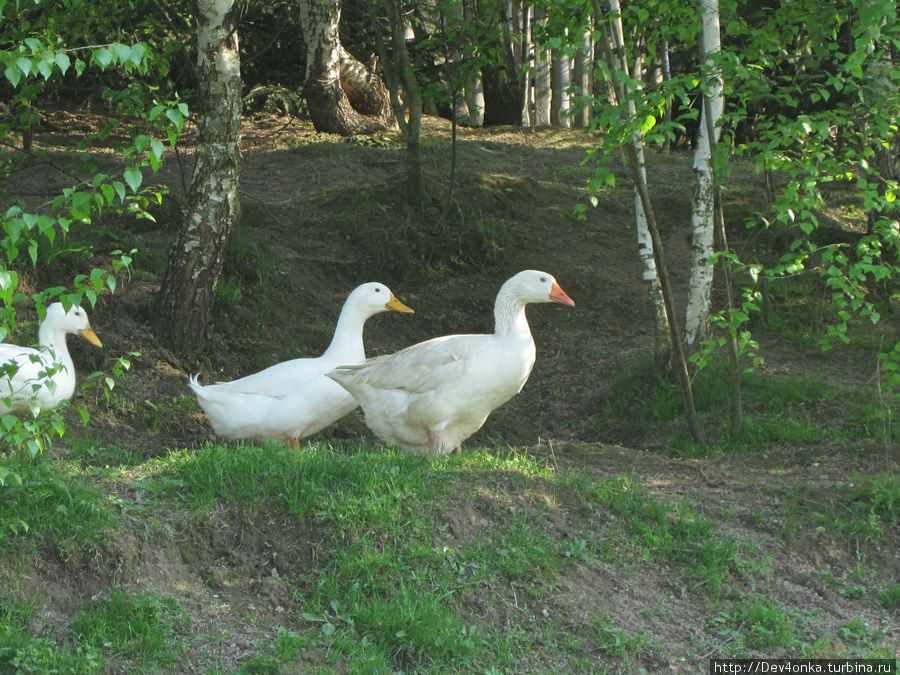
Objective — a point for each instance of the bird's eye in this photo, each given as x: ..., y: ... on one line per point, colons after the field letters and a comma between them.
x: 378, y: 290
x: 543, y: 280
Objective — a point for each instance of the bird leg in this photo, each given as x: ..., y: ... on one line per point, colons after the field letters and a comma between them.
x: 295, y: 443
x: 457, y: 450
x: 434, y: 441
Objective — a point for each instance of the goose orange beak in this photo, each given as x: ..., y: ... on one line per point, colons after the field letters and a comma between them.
x: 89, y: 335
x: 557, y: 294
x: 396, y: 306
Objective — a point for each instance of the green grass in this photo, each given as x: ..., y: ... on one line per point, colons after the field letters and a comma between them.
x: 120, y: 626
x: 862, y: 509
x: 130, y: 625
x: 757, y: 624
x: 52, y: 504
x: 777, y: 411
x: 394, y: 586
x: 654, y: 530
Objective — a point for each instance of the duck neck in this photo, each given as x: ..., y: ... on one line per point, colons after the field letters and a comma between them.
x: 55, y: 341
x: 347, y: 343
x: 509, y: 315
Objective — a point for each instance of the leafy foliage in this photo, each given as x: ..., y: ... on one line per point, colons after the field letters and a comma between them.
x: 35, y: 59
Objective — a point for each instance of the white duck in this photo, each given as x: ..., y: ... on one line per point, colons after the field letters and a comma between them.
x: 32, y: 379
x: 435, y: 394
x: 294, y: 399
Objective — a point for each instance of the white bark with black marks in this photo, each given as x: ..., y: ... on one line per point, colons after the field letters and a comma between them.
x: 703, y: 211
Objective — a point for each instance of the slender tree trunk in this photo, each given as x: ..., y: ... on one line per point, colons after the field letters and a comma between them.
x: 411, y: 123
x: 583, y: 78
x: 473, y: 93
x: 661, y: 349
x: 475, y: 103
x: 667, y: 75
x: 614, y: 44
x: 195, y: 263
x: 343, y: 97
x: 527, y: 56
x: 887, y: 159
x: 560, y: 77
x: 703, y: 210
x: 542, y: 78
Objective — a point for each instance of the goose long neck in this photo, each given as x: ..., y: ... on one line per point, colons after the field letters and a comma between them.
x: 55, y: 340
x: 509, y: 314
x: 347, y: 342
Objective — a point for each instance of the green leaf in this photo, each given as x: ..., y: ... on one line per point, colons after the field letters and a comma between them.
x: 103, y: 57
x: 13, y: 76
x: 63, y: 62
x: 122, y: 53
x: 133, y: 177
x: 138, y: 54
x: 45, y: 67
x: 176, y: 117
x: 24, y: 65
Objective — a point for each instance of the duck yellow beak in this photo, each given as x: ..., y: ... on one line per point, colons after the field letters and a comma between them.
x: 396, y: 306
x: 89, y: 335
x: 557, y: 294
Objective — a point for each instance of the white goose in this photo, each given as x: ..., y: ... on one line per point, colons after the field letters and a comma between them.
x: 32, y: 379
x: 435, y: 394
x: 294, y: 399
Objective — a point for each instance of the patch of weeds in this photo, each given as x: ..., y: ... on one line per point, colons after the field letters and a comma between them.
x: 51, y: 503
x: 408, y: 626
x: 865, y: 639
x: 417, y: 627
x: 612, y: 641
x: 864, y: 509
x: 876, y: 498
x: 248, y: 262
x: 853, y: 591
x: 525, y: 549
x: 141, y: 624
x: 777, y: 410
x: 170, y: 413
x: 229, y: 289
x: 289, y: 645
x: 21, y: 651
x: 657, y: 530
x: 578, y: 550
x: 93, y: 451
x: 889, y: 595
x: 766, y: 624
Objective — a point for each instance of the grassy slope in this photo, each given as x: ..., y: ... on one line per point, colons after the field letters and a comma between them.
x: 137, y: 547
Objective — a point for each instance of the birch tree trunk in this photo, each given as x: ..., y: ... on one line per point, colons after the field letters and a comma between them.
x: 542, y: 77
x: 344, y: 97
x: 560, y: 77
x: 527, y: 47
x: 614, y: 44
x: 703, y: 209
x: 474, y: 90
x: 188, y: 287
x: 399, y: 71
x: 583, y: 78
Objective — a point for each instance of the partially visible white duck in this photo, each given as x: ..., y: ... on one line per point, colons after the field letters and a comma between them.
x: 433, y: 395
x: 294, y: 399
x: 42, y: 378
